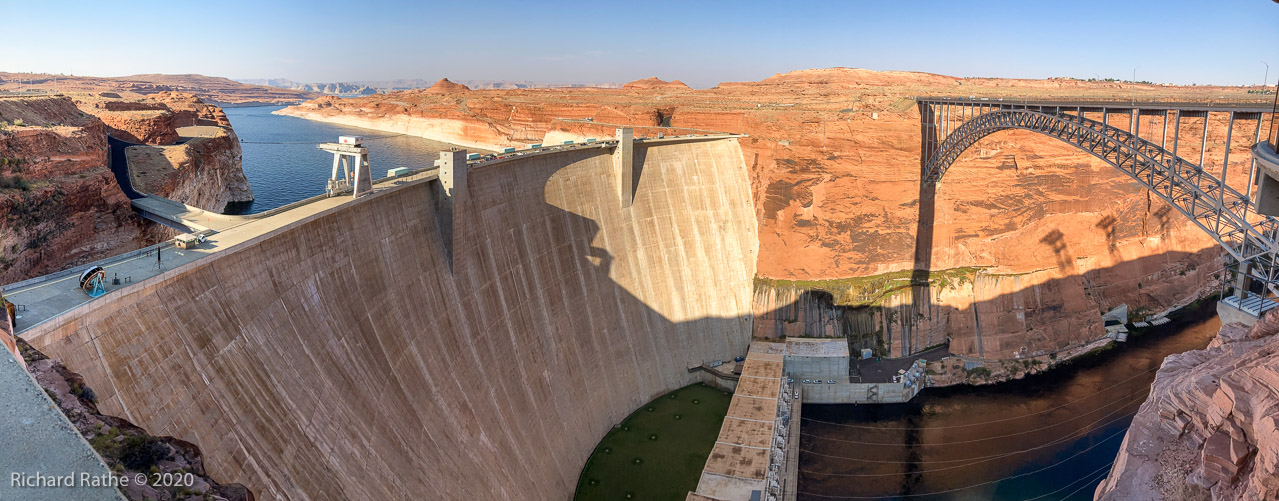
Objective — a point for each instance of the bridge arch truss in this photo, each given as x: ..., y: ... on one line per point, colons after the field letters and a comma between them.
x: 950, y: 126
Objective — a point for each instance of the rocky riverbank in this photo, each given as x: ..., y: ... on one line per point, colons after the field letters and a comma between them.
x: 1210, y: 427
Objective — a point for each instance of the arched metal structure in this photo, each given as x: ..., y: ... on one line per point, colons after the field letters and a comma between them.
x: 1216, y: 208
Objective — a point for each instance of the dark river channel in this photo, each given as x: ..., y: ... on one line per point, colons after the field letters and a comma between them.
x: 1050, y: 436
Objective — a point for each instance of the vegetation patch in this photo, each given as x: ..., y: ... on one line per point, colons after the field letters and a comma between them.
x: 873, y: 290
x: 659, y: 450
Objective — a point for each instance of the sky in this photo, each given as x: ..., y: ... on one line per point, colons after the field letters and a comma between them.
x: 701, y: 43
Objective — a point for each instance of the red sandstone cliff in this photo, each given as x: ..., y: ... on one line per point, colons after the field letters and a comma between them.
x: 1209, y: 426
x: 1058, y: 236
x: 203, y: 169
x: 59, y: 204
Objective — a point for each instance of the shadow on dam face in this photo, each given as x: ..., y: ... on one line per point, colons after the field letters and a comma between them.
x: 339, y: 357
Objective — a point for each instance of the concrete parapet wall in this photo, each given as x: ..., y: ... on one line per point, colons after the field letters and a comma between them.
x: 341, y: 357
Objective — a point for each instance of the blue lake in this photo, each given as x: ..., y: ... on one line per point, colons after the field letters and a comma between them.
x: 283, y: 164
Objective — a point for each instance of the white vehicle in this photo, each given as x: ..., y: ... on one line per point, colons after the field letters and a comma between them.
x: 806, y: 381
x: 830, y: 381
x: 797, y: 394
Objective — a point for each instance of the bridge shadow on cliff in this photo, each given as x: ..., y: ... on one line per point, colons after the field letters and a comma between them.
x: 1032, y: 320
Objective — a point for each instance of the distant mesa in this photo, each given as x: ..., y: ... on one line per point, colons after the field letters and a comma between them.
x: 846, y: 77
x: 655, y: 83
x: 445, y: 86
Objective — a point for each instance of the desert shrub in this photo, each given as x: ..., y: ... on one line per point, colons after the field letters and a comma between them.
x: 14, y: 182
x: 140, y: 452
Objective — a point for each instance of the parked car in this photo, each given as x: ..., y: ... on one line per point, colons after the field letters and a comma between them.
x: 807, y: 381
x: 830, y: 381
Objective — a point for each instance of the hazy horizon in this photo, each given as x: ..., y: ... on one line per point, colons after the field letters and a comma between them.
x: 701, y: 44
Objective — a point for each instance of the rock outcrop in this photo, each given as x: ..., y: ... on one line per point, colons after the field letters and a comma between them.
x: 153, y: 119
x: 191, y: 155
x: 204, y: 171
x: 1210, y: 427
x: 444, y: 86
x: 59, y: 204
x: 655, y: 83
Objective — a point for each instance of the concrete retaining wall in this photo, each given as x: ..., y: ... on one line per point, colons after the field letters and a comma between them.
x: 340, y: 357
x: 843, y: 392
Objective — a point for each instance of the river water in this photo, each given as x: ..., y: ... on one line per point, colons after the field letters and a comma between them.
x: 284, y: 166
x: 1048, y: 437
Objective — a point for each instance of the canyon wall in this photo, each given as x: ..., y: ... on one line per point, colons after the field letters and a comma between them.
x: 188, y: 151
x: 342, y: 356
x: 978, y: 312
x: 834, y: 162
x: 59, y: 204
x: 203, y: 171
x: 1210, y: 427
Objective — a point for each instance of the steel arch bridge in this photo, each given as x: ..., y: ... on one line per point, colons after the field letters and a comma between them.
x: 1225, y: 214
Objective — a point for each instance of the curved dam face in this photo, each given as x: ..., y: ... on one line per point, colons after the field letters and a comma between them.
x: 341, y: 356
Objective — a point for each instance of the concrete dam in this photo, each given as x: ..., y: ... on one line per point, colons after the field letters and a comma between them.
x: 349, y: 354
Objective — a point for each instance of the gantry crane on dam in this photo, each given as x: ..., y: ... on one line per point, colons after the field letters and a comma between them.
x: 1243, y: 223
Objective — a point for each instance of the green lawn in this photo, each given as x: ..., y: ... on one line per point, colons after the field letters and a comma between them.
x: 658, y: 452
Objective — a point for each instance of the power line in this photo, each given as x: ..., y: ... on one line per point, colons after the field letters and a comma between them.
x: 974, y: 460
x: 1020, y: 475
x: 366, y: 138
x: 1126, y: 400
x: 1067, y: 486
x: 1098, y: 392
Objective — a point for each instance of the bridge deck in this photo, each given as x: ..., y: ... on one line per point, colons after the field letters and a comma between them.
x: 1094, y: 104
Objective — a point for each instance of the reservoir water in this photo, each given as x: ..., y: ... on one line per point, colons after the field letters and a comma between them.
x: 1048, y: 437
x: 284, y: 166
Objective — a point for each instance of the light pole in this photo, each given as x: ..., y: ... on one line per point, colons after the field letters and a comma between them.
x: 1265, y: 81
x: 1134, y: 86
